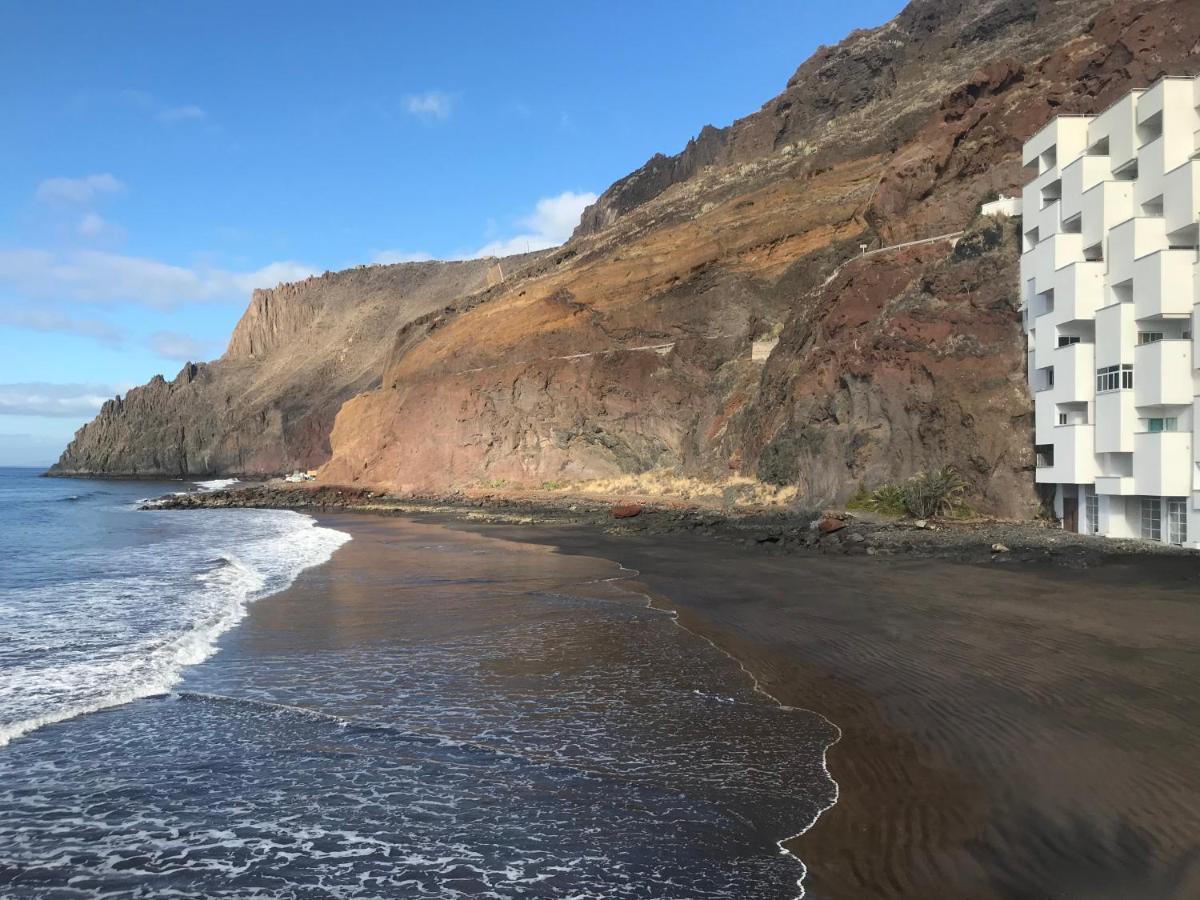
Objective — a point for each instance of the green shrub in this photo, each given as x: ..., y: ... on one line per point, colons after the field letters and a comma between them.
x: 936, y: 493
x: 862, y: 499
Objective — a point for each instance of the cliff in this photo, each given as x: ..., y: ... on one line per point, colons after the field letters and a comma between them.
x: 267, y: 405
x: 628, y: 348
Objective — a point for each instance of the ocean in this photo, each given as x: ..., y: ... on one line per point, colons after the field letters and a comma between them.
x: 249, y: 703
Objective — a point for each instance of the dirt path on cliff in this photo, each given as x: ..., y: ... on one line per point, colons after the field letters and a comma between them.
x: 1008, y: 732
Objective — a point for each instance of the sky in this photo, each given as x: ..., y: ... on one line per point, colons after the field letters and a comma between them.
x: 158, y: 161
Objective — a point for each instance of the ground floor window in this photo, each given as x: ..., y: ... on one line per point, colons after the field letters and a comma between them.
x: 1092, y: 507
x: 1177, y: 520
x: 1151, y: 519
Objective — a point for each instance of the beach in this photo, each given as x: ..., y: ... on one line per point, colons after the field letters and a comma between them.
x: 1024, y: 731
x: 428, y: 712
x: 475, y: 702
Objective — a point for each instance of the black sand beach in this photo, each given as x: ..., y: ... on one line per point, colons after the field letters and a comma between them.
x: 1008, y: 731
x: 1013, y: 725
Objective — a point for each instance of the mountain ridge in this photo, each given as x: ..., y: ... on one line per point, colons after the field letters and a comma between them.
x: 628, y: 348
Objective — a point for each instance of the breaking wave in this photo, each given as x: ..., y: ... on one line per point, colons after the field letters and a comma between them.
x: 101, y: 628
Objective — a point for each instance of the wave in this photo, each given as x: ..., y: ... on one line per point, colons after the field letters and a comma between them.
x: 217, y: 484
x: 200, y: 594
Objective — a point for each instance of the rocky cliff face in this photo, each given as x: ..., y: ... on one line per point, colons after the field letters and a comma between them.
x: 267, y: 406
x: 630, y: 347
x: 867, y: 95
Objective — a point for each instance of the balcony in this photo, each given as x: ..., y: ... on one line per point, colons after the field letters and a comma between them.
x: 1116, y: 129
x: 1074, y: 454
x: 1048, y: 218
x: 1162, y: 463
x: 1105, y: 205
x: 1045, y: 416
x: 1162, y: 284
x: 1115, y: 485
x: 1074, y: 373
x: 1045, y: 339
x: 1078, y: 291
x: 1081, y: 175
x: 1116, y: 333
x: 1116, y: 421
x: 1181, y: 196
x: 1059, y: 141
x: 1152, y: 166
x: 1163, y: 373
x: 1130, y: 240
x: 1051, y: 254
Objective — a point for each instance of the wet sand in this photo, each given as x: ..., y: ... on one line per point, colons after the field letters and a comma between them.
x: 1008, y: 731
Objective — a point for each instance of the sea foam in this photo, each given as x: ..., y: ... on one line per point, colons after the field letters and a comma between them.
x: 106, y: 629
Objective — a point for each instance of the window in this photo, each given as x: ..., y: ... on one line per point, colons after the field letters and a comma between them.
x: 1062, y: 418
x: 1115, y: 378
x: 1092, y: 513
x: 1067, y: 340
x: 1154, y: 426
x: 1050, y: 376
x: 1045, y: 456
x: 1149, y: 337
x: 1177, y: 520
x: 1151, y: 519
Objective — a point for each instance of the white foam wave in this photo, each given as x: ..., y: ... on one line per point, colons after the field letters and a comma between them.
x: 217, y: 484
x: 117, y: 639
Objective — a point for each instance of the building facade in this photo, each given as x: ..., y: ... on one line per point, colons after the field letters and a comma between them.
x: 1109, y: 286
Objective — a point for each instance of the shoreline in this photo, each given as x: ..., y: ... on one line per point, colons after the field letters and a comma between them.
x: 939, y: 780
x: 784, y: 842
x: 1001, y: 724
x: 773, y: 531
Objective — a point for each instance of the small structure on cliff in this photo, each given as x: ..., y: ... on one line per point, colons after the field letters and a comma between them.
x: 1002, y: 206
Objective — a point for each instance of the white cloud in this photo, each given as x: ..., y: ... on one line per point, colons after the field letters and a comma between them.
x: 78, y: 190
x: 53, y: 321
x: 164, y: 112
x: 550, y: 224
x: 389, y: 257
x: 37, y: 398
x: 171, y: 114
x: 178, y: 347
x: 430, y: 105
x: 94, y: 227
x: 101, y: 277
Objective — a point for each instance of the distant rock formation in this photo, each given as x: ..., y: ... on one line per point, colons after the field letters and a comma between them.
x: 267, y: 406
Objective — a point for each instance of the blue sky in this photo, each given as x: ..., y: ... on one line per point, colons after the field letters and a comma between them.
x: 160, y: 160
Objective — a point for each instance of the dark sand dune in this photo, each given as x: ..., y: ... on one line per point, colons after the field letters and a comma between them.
x: 1007, y: 732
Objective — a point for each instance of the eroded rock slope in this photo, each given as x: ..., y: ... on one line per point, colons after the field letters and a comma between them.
x: 629, y: 348
x: 267, y: 405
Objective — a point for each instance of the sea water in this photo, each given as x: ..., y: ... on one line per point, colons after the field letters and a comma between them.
x: 440, y: 715
x: 101, y: 603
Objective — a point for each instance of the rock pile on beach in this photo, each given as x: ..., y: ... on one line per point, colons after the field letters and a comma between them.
x: 770, y: 532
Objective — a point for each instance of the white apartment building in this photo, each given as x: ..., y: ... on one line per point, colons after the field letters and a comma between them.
x: 1109, y: 286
